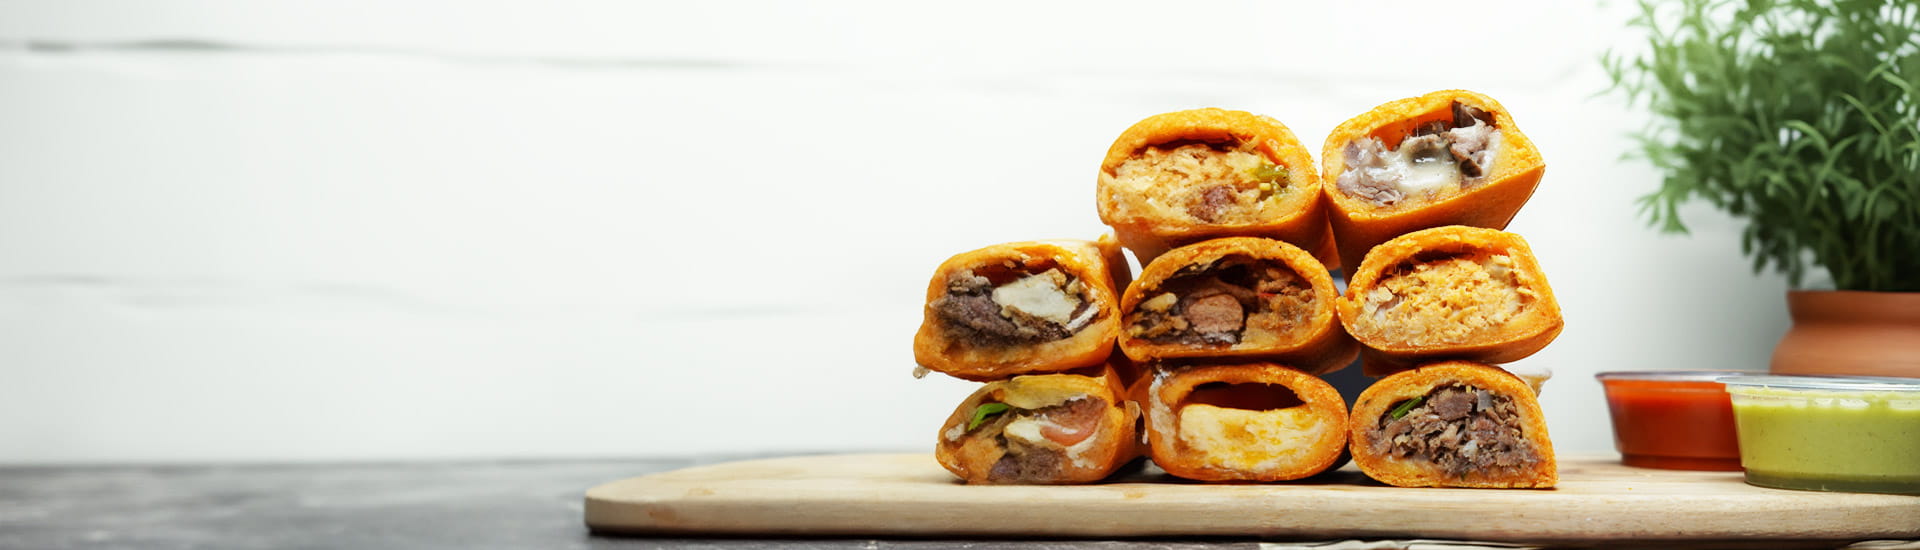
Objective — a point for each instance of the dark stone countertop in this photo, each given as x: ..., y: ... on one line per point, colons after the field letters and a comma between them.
x: 464, y: 505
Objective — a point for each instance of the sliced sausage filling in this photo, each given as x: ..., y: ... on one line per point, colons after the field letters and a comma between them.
x: 1443, y: 300
x: 1234, y: 300
x: 1036, y: 444
x: 1203, y: 183
x: 1248, y: 426
x: 1014, y: 305
x: 1459, y: 428
x: 1439, y: 157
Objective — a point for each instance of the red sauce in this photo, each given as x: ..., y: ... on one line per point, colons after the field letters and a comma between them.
x: 1673, y: 424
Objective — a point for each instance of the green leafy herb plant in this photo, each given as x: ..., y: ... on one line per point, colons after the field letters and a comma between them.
x: 1801, y: 117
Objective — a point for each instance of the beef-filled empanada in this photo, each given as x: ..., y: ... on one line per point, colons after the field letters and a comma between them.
x: 1044, y: 429
x: 1452, y: 424
x: 1020, y: 308
x: 1237, y: 297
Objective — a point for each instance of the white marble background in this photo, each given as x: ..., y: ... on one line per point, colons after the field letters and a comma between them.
x: 244, y: 231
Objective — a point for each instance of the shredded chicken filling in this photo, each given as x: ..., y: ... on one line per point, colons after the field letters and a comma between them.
x: 1023, y: 309
x: 1440, y: 157
x: 1453, y: 300
x: 1233, y: 301
x: 1199, y: 182
x: 1460, y: 429
x: 1036, y: 444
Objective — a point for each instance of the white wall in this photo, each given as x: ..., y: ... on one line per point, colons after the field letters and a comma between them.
x: 356, y: 230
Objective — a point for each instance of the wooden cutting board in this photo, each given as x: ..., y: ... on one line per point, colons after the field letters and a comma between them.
x: 910, y: 495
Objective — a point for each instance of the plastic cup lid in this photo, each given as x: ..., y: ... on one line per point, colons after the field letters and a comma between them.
x: 1826, y: 383
x: 1671, y: 375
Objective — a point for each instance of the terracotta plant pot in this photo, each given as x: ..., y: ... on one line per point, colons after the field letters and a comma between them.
x: 1848, y: 332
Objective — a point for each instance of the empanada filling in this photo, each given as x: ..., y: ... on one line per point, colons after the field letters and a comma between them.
x: 1460, y: 429
x: 1035, y: 444
x: 1248, y: 426
x: 1439, y: 157
x: 1443, y: 300
x: 1015, y: 304
x: 1201, y: 183
x: 1230, y: 301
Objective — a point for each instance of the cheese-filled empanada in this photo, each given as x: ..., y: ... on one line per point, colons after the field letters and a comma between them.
x: 1451, y: 157
x: 1242, y: 422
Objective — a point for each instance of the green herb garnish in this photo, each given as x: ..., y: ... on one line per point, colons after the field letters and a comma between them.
x: 986, y: 412
x: 1272, y: 179
x: 1405, y: 407
x: 1268, y: 173
x: 1803, y: 118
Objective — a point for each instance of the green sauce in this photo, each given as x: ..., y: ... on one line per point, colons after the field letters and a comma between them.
x: 1829, y: 441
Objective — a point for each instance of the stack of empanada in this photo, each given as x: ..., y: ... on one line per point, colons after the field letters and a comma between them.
x: 1037, y: 321
x: 1223, y: 337
x: 1422, y: 188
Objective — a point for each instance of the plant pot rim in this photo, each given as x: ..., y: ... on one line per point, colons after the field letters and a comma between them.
x: 1853, y: 305
x: 1880, y: 293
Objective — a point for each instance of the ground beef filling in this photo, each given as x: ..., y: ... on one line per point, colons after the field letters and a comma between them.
x: 1023, y: 309
x: 1438, y: 157
x: 1224, y: 304
x: 1460, y: 429
x: 1028, y: 461
x: 1442, y: 301
x: 1210, y: 183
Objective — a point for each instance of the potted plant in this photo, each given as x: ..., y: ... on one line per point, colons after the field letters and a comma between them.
x: 1803, y: 119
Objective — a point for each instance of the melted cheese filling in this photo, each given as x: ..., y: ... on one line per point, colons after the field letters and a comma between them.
x: 1420, y: 175
x: 1414, y: 173
x: 1044, y: 295
x: 1247, y: 440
